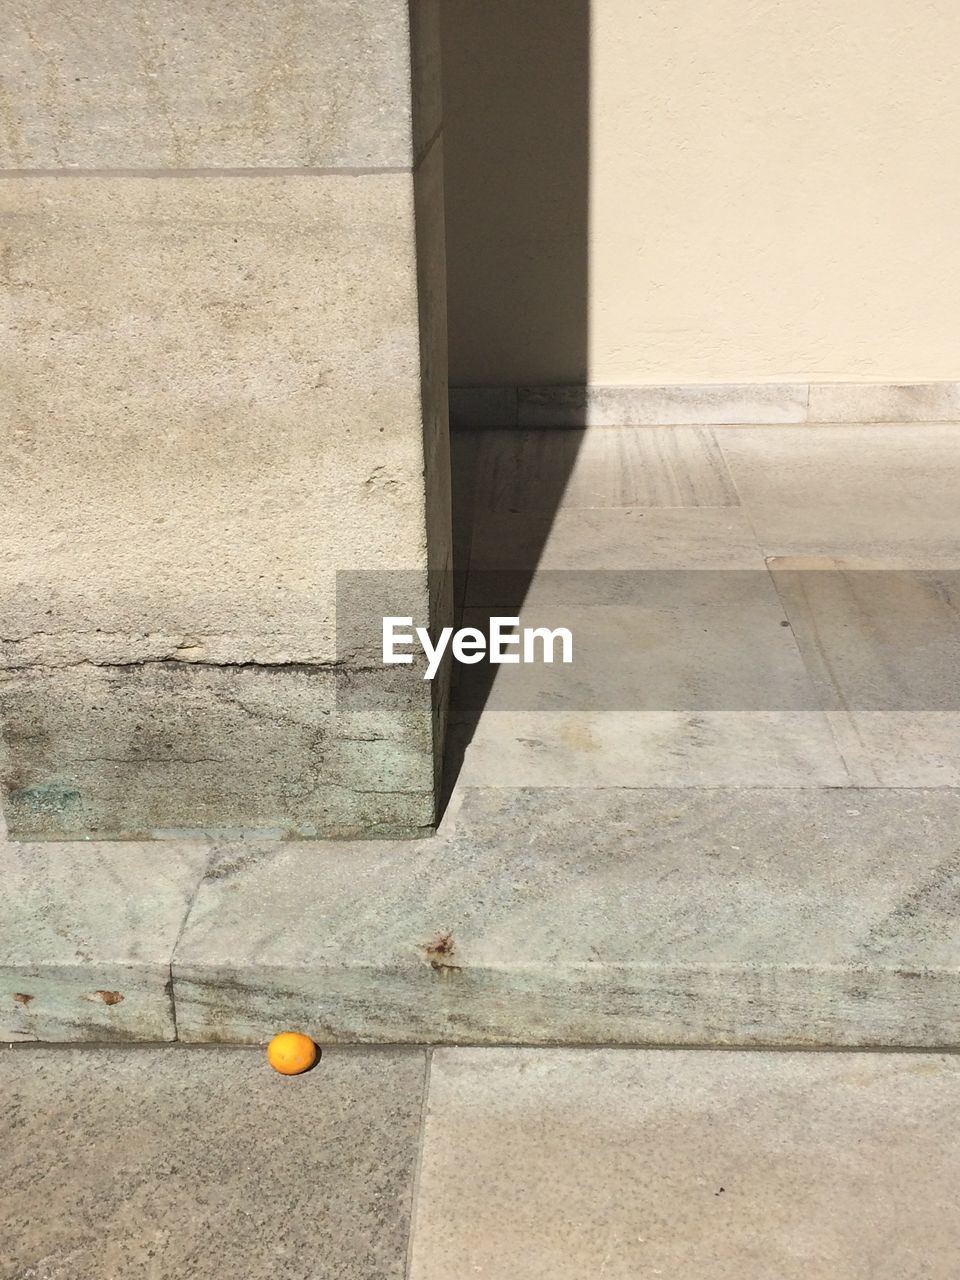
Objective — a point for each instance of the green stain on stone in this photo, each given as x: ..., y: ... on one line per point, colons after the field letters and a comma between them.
x: 47, y: 798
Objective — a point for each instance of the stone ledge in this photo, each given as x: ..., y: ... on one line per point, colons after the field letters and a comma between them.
x: 654, y: 916
x: 708, y: 916
x: 86, y: 935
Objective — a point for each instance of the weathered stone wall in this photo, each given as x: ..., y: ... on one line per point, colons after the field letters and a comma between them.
x: 224, y: 354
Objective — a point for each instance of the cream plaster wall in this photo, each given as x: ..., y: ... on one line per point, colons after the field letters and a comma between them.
x: 772, y: 185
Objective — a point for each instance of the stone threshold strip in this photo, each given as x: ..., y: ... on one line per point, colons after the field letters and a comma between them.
x: 705, y: 404
x: 685, y: 916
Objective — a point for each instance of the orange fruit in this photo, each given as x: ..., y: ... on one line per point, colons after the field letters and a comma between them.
x: 291, y: 1052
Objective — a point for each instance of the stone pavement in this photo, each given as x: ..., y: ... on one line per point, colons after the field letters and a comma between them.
x: 167, y: 1163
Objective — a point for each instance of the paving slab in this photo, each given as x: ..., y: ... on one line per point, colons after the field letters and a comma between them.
x: 169, y: 1163
x: 603, y: 468
x: 582, y: 749
x: 587, y: 539
x: 662, y: 916
x: 899, y: 748
x: 604, y: 499
x: 653, y: 642
x: 883, y: 648
x: 738, y: 1166
x: 86, y: 937
x: 884, y: 493
x: 875, y: 639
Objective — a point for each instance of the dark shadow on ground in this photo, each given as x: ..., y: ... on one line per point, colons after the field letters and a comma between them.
x: 517, y: 132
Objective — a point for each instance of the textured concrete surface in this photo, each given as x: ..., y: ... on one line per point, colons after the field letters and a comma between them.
x: 224, y: 276
x: 436, y: 535
x: 222, y: 442
x: 243, y: 388
x: 173, y: 1163
x: 692, y: 915
x: 147, y: 750
x: 208, y: 85
x: 739, y: 1166
x: 86, y: 935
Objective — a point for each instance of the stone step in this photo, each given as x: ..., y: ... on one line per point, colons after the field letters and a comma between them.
x: 653, y: 916
x: 87, y: 931
x: 688, y: 916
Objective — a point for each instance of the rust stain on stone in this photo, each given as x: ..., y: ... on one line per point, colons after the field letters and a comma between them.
x: 22, y: 997
x: 108, y: 997
x: 439, y: 952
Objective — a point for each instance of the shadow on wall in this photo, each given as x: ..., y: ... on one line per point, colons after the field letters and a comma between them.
x: 516, y: 83
x: 516, y: 152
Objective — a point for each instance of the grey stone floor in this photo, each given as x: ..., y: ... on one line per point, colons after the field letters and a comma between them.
x: 732, y: 821
x: 169, y: 1163
x: 754, y: 607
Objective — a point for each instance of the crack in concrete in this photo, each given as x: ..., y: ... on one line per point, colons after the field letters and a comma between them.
x: 136, y: 760
x: 255, y: 664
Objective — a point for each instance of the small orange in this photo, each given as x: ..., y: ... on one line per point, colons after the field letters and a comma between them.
x: 290, y: 1053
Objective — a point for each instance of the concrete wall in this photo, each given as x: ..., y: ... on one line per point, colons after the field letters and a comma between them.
x: 769, y: 190
x: 225, y: 362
